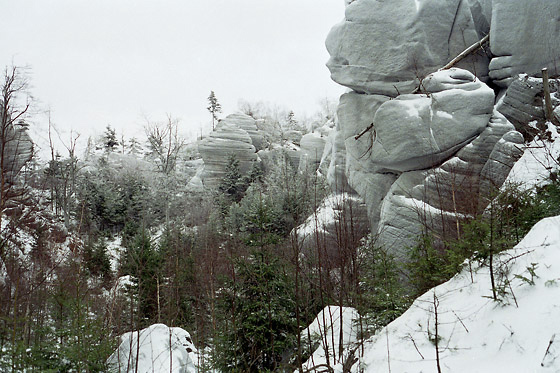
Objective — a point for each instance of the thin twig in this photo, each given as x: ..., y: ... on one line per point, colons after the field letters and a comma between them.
x: 461, y: 321
x: 416, y: 347
x: 548, y: 348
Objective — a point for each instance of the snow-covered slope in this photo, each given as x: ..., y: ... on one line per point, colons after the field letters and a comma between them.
x: 325, y: 331
x: 521, y: 333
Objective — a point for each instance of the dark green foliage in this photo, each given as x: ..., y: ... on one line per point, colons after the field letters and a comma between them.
x: 293, y: 124
x: 259, y: 322
x: 508, y: 218
x: 96, y: 259
x: 110, y: 141
x: 214, y: 107
x: 233, y: 184
x: 295, y: 194
x: 129, y: 232
x: 255, y: 175
x: 256, y: 219
x: 143, y: 263
x: 428, y: 266
x: 383, y: 296
x: 177, y: 293
x: 108, y: 201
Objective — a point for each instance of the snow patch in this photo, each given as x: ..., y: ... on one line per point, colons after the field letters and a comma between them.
x: 538, y: 160
x: 327, y: 214
x: 161, y: 349
x: 326, y: 331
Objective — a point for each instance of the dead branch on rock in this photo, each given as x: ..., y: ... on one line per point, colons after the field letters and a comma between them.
x: 363, y: 132
x: 476, y: 46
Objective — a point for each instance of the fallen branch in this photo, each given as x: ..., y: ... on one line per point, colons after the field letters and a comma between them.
x: 476, y: 46
x: 363, y: 132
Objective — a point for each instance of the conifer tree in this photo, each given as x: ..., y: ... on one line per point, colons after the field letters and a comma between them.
x: 233, y: 184
x: 110, y: 141
x: 263, y: 326
x: 142, y: 263
x: 214, y: 108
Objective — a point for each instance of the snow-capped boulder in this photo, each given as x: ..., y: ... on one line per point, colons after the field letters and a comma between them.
x: 293, y: 136
x: 157, y: 349
x: 384, y: 47
x: 356, y: 111
x: 276, y: 153
x: 430, y: 127
x: 524, y: 38
x: 523, y: 101
x: 248, y: 124
x: 216, y: 149
x: 440, y: 196
x: 428, y: 156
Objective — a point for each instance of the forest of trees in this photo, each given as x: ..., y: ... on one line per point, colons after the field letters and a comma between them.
x: 96, y: 245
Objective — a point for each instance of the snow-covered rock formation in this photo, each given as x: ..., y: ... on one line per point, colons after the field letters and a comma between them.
x: 384, y: 47
x: 230, y: 137
x: 425, y: 147
x: 247, y: 123
x: 157, y: 349
x: 18, y: 150
x: 524, y: 39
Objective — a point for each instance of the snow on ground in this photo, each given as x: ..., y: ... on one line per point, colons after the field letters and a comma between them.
x: 327, y: 214
x: 475, y: 333
x: 162, y: 349
x: 114, y: 250
x: 325, y: 330
x: 539, y: 159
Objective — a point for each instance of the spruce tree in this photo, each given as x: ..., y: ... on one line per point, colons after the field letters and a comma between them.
x: 143, y: 264
x: 233, y: 185
x: 258, y: 325
x: 214, y: 108
x: 110, y: 141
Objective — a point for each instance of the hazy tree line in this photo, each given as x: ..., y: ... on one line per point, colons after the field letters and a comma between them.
x: 101, y: 243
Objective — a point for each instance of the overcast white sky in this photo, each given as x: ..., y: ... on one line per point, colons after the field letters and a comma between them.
x: 115, y: 62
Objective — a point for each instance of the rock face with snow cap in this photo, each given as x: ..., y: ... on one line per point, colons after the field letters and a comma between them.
x: 384, y: 47
x: 423, y: 153
x: 419, y: 131
x: 441, y: 196
x: 312, y: 146
x: 429, y: 158
x: 248, y: 124
x: 524, y: 38
x: 226, y: 140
